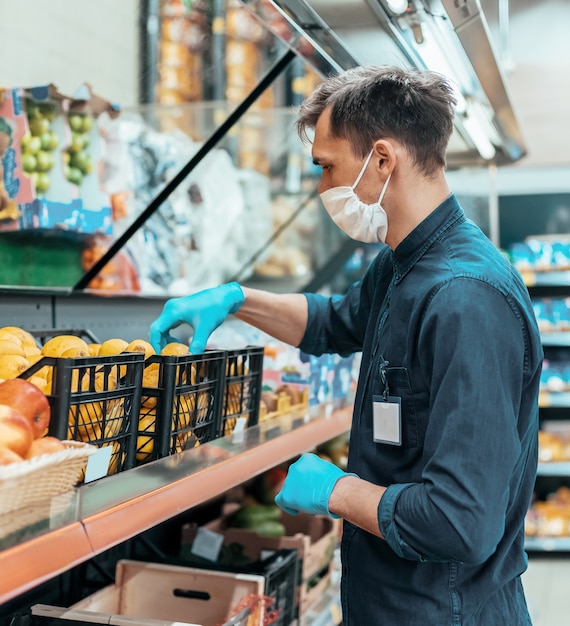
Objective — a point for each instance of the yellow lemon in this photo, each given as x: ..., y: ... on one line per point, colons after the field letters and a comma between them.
x: 94, y: 349
x: 56, y: 346
x: 30, y: 349
x: 10, y: 335
x: 25, y: 337
x: 41, y: 383
x: 11, y: 365
x: 175, y: 349
x: 44, y: 371
x: 140, y: 345
x: 11, y: 347
x: 111, y: 347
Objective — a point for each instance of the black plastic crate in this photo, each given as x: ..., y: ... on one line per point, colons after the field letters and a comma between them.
x: 182, y: 408
x: 280, y: 570
x: 42, y: 335
x: 96, y: 400
x: 242, y: 389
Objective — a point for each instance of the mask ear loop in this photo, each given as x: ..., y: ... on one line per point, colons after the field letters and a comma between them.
x: 384, y: 188
x: 363, y: 169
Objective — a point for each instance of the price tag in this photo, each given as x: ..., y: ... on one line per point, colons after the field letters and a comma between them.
x: 207, y: 544
x: 98, y: 464
x: 239, y: 429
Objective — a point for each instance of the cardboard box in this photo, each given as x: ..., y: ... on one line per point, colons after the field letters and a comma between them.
x: 315, y: 538
x: 155, y: 595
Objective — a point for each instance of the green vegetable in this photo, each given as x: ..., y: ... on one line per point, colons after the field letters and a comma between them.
x: 269, y: 528
x: 254, y: 514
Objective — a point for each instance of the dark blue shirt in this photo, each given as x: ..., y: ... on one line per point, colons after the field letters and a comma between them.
x: 454, y: 322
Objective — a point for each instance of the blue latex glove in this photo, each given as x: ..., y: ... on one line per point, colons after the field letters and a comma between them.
x: 309, y: 485
x: 204, y: 311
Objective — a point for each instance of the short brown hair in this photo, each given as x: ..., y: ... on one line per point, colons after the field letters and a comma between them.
x: 369, y: 103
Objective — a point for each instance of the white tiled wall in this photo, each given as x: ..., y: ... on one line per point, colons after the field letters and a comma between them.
x: 68, y: 42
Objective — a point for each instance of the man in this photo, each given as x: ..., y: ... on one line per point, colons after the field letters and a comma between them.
x: 443, y: 448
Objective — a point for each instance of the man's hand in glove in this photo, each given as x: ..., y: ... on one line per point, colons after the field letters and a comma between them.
x: 309, y: 485
x: 204, y: 311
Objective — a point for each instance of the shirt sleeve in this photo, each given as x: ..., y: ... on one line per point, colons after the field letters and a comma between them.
x: 471, y: 346
x: 337, y: 324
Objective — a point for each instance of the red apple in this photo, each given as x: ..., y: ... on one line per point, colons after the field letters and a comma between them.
x: 15, y: 431
x: 7, y: 457
x: 28, y: 400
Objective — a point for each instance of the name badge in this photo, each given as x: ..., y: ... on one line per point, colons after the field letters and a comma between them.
x: 387, y: 416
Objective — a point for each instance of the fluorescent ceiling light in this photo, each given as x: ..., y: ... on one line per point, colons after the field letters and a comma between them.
x: 397, y: 6
x: 479, y: 137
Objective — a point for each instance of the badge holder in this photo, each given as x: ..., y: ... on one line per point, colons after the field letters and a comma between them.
x: 387, y: 413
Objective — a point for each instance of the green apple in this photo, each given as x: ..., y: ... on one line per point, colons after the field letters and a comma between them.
x: 47, y: 109
x: 44, y: 161
x: 87, y: 123
x: 31, y: 108
x: 82, y: 161
x: 75, y: 176
x: 49, y: 140
x: 29, y: 162
x: 66, y: 158
x: 39, y: 126
x: 24, y: 142
x: 42, y: 183
x: 33, y: 145
x: 78, y: 142
x: 76, y: 122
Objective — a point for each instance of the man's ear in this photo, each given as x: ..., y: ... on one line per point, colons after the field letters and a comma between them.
x: 385, y: 156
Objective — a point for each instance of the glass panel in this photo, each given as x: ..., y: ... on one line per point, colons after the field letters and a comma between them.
x: 252, y: 197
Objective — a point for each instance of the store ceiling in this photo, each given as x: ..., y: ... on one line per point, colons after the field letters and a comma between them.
x: 539, y: 76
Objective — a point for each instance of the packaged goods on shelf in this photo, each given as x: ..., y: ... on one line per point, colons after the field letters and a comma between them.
x: 550, y: 517
x: 216, y: 208
x: 554, y: 442
x: 552, y: 314
x: 308, y: 380
x: 51, y: 154
x: 541, y: 253
x: 119, y: 274
x: 160, y: 594
x: 555, y: 376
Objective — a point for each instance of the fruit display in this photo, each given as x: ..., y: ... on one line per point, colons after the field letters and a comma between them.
x: 24, y: 420
x: 550, y: 517
x: 189, y: 411
x: 39, y: 145
x: 77, y: 158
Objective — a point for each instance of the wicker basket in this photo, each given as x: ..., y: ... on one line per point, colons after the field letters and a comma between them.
x: 27, y: 488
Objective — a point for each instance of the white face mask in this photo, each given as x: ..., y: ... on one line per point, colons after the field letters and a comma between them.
x: 364, y: 222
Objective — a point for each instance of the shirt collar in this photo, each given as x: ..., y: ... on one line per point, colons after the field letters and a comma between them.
x: 414, y: 246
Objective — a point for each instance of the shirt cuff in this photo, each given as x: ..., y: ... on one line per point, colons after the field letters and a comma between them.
x: 387, y: 524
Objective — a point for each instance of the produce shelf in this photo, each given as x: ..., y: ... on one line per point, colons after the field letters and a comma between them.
x: 555, y: 399
x: 556, y: 339
x: 552, y: 278
x: 547, y: 544
x: 119, y: 507
x: 554, y: 469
